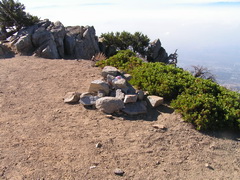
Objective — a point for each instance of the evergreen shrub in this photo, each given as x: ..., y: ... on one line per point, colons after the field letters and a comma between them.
x: 125, y: 60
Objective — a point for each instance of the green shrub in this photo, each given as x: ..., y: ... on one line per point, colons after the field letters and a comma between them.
x: 125, y: 60
x: 124, y: 40
x: 209, y: 106
x: 160, y: 79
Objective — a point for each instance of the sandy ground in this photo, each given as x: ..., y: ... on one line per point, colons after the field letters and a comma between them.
x: 43, y: 138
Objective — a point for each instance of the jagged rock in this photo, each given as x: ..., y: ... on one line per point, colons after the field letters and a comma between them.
x: 53, y: 40
x: 88, y: 100
x: 99, y: 85
x: 48, y: 50
x: 5, y: 51
x: 24, y: 44
x: 72, y: 97
x: 58, y: 31
x: 109, y: 70
x: 81, y: 42
x: 155, y: 100
x: 130, y: 98
x: 109, y: 104
x: 135, y: 108
x: 119, y: 94
x: 157, y: 52
x: 140, y: 94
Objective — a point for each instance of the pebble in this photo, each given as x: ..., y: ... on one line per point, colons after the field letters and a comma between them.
x: 119, y: 172
x: 98, y: 145
x: 208, y: 166
x: 93, y: 167
x: 159, y: 126
x: 109, y: 116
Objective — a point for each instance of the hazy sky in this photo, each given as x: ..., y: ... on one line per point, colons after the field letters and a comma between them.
x: 201, y: 30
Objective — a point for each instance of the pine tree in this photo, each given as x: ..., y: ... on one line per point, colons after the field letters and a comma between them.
x: 13, y: 17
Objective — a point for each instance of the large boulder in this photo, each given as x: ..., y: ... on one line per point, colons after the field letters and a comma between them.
x: 58, y: 31
x: 109, y: 104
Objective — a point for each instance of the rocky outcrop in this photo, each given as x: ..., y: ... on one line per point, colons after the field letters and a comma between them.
x: 157, y: 53
x: 53, y: 41
x: 81, y: 42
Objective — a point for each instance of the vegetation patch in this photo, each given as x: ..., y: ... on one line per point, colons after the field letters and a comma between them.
x: 202, y: 102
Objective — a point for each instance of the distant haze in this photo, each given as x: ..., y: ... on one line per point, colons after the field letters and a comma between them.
x: 205, y: 32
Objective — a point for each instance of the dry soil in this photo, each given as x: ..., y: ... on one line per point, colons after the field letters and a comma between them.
x: 41, y: 137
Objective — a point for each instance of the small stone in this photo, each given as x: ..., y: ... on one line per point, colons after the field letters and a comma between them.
x: 109, y: 70
x: 120, y: 83
x: 93, y: 167
x: 208, y: 166
x: 119, y: 94
x: 101, y: 93
x: 72, y: 97
x: 128, y: 77
x: 109, y: 116
x: 119, y: 172
x: 88, y: 100
x: 159, y: 126
x: 98, y: 145
x: 155, y: 100
x: 140, y: 94
x: 98, y: 85
x: 109, y: 104
x: 130, y: 98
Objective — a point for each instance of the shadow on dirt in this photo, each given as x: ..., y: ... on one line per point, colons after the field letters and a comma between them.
x: 152, y: 114
x: 227, y: 134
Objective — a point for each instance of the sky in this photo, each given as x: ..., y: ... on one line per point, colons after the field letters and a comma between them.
x: 205, y: 32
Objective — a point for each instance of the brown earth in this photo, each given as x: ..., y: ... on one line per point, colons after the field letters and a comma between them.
x: 43, y: 138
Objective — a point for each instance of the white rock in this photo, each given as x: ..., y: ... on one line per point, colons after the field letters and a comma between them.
x: 109, y: 104
x: 119, y: 83
x: 130, y: 98
x: 109, y: 70
x: 155, y: 100
x: 72, y: 97
x: 119, y: 94
x: 99, y: 85
x: 128, y: 77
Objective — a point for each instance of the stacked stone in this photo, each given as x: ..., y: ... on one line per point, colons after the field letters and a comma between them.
x: 114, y: 93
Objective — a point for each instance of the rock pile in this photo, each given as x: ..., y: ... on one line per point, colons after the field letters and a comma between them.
x: 114, y: 93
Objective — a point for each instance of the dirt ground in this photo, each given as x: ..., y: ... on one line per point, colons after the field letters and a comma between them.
x: 41, y: 137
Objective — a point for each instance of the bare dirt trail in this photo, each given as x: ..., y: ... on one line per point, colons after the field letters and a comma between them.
x: 43, y: 138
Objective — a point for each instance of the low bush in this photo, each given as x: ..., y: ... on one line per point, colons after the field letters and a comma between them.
x: 160, y: 79
x: 209, y: 106
x: 125, y: 60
